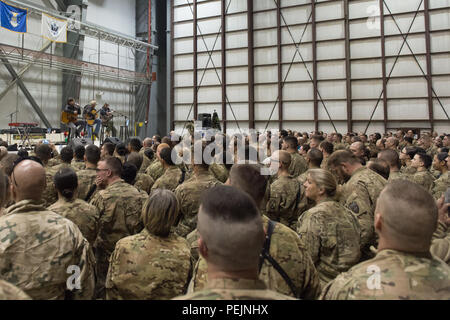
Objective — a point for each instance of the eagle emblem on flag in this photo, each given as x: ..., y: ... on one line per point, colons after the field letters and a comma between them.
x: 54, y: 29
x: 13, y: 20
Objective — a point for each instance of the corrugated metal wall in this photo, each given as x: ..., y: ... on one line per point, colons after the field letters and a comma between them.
x: 344, y: 45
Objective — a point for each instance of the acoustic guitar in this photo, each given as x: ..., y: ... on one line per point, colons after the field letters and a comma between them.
x: 67, y: 118
x: 90, y: 117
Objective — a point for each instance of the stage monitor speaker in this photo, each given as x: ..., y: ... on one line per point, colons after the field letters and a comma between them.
x: 79, y: 142
x: 205, y: 118
x: 113, y: 140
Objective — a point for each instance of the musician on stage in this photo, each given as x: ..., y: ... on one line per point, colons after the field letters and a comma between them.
x: 106, y: 116
x: 91, y: 117
x: 75, y: 125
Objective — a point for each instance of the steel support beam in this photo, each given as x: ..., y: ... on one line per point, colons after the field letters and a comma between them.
x: 348, y: 70
x: 21, y: 73
x: 195, y: 48
x: 383, y: 65
x: 251, y: 68
x: 280, y: 68
x: 172, y: 66
x: 314, y: 58
x: 428, y: 57
x: 25, y: 91
x: 224, y: 65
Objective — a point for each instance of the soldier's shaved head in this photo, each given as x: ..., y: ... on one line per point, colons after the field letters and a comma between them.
x: 230, y: 228
x: 147, y: 142
x: 406, y: 217
x: 28, y: 181
x: 162, y: 146
x: 248, y: 178
x: 283, y: 157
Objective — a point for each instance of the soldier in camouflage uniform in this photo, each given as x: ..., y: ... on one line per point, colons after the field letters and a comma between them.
x: 230, y: 238
x: 44, y: 153
x: 66, y: 160
x: 406, y: 156
x: 188, y: 194
x: 35, y: 239
x: 78, y: 158
x: 298, y: 163
x: 120, y: 206
x: 392, y: 159
x: 86, y: 177
x: 329, y: 231
x: 285, y: 193
x: 219, y: 171
x: 327, y: 149
x: 423, y: 177
x: 156, y: 169
x: 337, y: 142
x: 440, y: 247
x: 10, y: 292
x: 84, y: 215
x: 146, y: 161
x: 441, y: 163
x: 403, y: 267
x: 172, y: 176
x: 143, y: 181
x: 314, y: 158
x: 359, y: 193
x: 285, y: 246
x: 426, y: 142
x: 154, y: 264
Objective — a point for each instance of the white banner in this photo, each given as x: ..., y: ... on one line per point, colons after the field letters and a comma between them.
x: 54, y: 29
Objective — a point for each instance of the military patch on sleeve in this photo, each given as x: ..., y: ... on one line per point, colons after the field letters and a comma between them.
x: 354, y: 207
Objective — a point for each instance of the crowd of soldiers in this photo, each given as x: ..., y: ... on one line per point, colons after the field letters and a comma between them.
x: 341, y: 217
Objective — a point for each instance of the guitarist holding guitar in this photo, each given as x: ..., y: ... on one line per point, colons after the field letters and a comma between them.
x: 70, y: 118
x: 106, y: 115
x: 91, y: 118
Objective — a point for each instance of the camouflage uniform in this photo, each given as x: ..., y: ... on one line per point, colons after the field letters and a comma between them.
x: 10, y: 292
x: 284, y: 200
x: 146, y: 162
x: 78, y: 165
x: 49, y: 195
x: 86, y: 179
x: 298, y: 165
x: 403, y: 276
x: 331, y: 234
x: 235, y: 289
x: 53, y: 170
x: 302, y: 178
x: 37, y: 246
x: 339, y: 146
x: 53, y: 162
x: 169, y: 180
x: 441, y: 185
x: 144, y: 182
x: 155, y: 170
x: 397, y: 175
x: 424, y: 178
x: 440, y: 246
x: 219, y: 171
x: 324, y: 164
x: 147, y: 267
x: 360, y: 195
x: 408, y: 170
x: 188, y: 195
x: 120, y: 206
x: 287, y: 249
x: 84, y: 215
x: 432, y: 151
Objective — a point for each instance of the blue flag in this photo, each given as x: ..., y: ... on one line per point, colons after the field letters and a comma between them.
x: 12, y: 18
